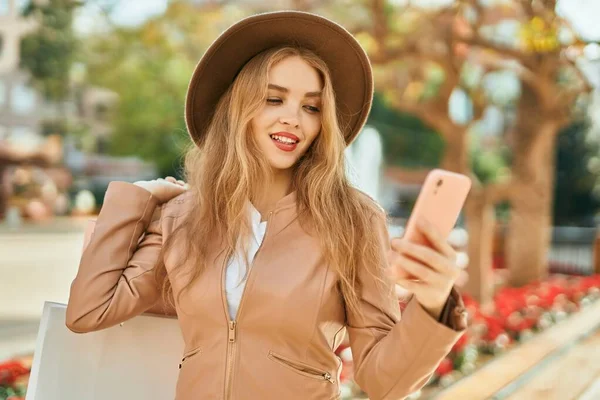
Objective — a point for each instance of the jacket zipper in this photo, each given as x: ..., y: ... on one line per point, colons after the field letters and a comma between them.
x: 231, y: 334
x: 230, y: 355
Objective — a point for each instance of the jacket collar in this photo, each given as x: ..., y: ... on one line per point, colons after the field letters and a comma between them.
x: 286, y: 201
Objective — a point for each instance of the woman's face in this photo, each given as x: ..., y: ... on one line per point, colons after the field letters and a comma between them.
x: 290, y: 118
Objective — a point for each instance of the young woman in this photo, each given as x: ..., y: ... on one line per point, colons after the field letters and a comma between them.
x: 269, y: 257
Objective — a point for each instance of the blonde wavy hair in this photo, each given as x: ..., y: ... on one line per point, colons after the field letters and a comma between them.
x: 225, y: 171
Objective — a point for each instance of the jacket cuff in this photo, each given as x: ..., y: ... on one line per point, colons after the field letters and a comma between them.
x: 454, y: 313
x: 416, y: 313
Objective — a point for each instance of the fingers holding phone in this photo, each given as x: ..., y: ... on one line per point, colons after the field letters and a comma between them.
x: 423, y: 261
x: 429, y: 272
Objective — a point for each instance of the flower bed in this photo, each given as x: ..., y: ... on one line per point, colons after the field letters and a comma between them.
x: 515, y: 315
x: 13, y: 380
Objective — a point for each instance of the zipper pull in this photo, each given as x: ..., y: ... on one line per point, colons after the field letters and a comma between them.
x: 327, y: 377
x: 231, y: 331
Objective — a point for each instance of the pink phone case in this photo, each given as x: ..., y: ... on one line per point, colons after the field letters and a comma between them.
x: 440, y: 201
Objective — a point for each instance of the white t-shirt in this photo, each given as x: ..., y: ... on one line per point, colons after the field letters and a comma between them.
x: 236, y: 268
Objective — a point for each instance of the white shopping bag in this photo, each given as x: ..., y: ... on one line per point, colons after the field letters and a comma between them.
x: 138, y: 359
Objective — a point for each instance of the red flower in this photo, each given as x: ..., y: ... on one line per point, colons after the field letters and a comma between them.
x: 10, y: 371
x: 461, y: 343
x: 445, y: 367
x: 347, y: 371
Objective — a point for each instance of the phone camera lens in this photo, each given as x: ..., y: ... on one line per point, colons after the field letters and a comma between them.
x: 440, y: 182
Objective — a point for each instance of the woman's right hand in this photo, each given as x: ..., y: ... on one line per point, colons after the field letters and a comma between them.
x: 163, y: 190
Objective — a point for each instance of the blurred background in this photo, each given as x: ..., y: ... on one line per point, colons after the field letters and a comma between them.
x: 506, y: 91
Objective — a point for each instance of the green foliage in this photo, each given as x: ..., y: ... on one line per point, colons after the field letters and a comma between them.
x: 148, y: 121
x: 10, y: 392
x: 149, y: 67
x: 490, y: 165
x: 577, y: 171
x: 407, y: 142
x: 48, y: 53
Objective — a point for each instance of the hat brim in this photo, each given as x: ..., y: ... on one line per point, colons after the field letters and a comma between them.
x: 347, y: 61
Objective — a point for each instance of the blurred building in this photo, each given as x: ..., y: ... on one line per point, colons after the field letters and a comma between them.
x: 21, y: 107
x: 399, y: 190
x: 95, y: 106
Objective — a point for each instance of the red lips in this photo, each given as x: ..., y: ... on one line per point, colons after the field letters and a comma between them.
x: 287, y: 147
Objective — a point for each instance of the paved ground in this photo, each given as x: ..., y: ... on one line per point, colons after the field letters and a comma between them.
x: 37, y: 264
x: 572, y: 374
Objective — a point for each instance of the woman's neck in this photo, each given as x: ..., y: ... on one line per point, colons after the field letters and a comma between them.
x: 281, y: 186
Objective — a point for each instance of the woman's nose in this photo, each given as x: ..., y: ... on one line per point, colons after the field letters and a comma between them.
x: 289, y: 119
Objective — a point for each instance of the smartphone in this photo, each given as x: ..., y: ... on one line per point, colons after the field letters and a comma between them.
x: 440, y: 201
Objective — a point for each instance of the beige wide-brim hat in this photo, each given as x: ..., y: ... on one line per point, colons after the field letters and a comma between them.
x: 347, y: 61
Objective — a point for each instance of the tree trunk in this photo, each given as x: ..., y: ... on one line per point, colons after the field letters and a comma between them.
x: 456, y: 151
x: 479, y: 217
x: 480, y: 220
x: 529, y: 230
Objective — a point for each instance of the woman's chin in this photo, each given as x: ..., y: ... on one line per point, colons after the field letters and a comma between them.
x: 281, y: 164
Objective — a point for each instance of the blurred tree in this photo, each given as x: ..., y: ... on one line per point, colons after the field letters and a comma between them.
x: 149, y: 68
x: 421, y: 71
x: 407, y: 142
x: 577, y: 170
x: 48, y: 53
x: 425, y: 57
x: 529, y: 39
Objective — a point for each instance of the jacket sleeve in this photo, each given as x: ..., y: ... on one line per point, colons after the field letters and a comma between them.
x: 115, y: 280
x: 394, y: 357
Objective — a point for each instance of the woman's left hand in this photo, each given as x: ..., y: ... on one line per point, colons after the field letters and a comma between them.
x: 428, y: 272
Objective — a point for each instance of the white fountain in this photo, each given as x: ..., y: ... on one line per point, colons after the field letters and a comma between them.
x: 364, y: 159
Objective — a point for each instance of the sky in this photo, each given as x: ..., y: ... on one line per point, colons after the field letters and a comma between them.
x: 125, y: 12
x: 584, y: 14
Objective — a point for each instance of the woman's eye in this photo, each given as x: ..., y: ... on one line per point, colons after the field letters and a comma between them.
x: 273, y: 101
x: 312, y: 109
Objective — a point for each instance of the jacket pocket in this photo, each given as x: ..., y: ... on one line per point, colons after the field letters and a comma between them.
x: 301, y: 368
x: 188, y: 355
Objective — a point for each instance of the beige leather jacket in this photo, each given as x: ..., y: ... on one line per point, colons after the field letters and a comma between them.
x: 291, y: 317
